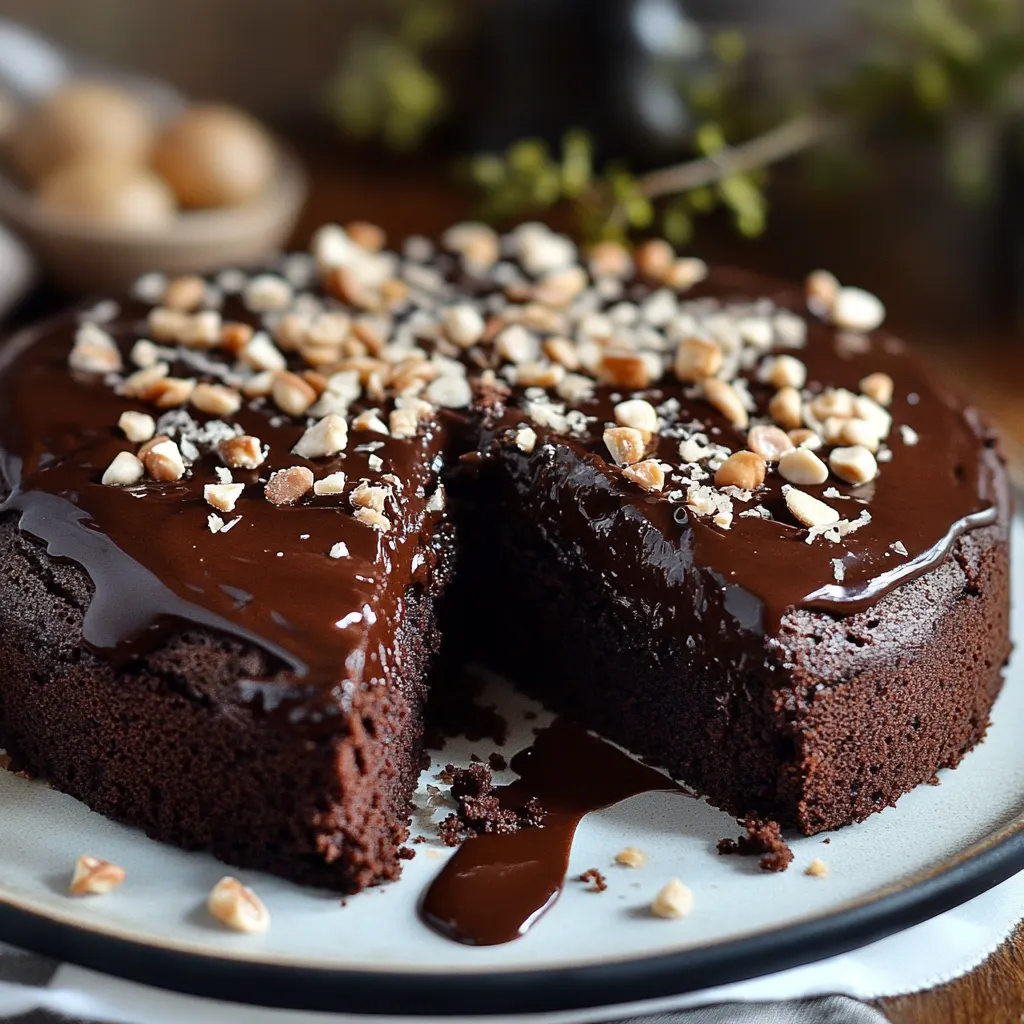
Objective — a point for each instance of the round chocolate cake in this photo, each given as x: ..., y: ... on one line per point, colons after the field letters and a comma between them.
x: 726, y: 522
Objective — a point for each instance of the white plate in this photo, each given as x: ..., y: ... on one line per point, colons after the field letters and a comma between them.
x: 940, y: 846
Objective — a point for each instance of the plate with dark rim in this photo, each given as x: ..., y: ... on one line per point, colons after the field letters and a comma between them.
x: 938, y: 847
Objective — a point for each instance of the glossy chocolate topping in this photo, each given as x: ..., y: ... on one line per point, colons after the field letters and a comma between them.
x: 270, y: 578
x: 495, y: 887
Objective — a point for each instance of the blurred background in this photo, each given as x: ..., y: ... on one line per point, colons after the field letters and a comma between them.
x: 882, y: 139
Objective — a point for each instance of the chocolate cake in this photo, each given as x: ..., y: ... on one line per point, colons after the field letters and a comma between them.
x: 726, y: 523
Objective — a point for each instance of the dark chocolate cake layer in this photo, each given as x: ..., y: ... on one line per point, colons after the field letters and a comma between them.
x: 748, y: 541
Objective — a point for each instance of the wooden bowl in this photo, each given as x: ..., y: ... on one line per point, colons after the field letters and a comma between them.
x: 87, y: 260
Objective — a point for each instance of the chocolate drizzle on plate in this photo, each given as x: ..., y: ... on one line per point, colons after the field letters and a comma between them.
x: 496, y: 887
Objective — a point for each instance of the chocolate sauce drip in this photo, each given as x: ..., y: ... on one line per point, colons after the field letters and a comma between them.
x: 495, y: 887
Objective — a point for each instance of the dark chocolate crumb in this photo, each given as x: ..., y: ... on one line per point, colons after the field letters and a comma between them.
x: 476, y: 759
x: 419, y: 839
x: 826, y: 841
x: 497, y: 762
x: 404, y: 853
x: 479, y: 807
x: 600, y: 883
x: 450, y: 830
x: 935, y: 781
x: 764, y: 838
x: 529, y: 716
x: 424, y: 762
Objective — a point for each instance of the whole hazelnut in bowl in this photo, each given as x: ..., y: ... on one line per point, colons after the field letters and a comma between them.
x: 106, y: 189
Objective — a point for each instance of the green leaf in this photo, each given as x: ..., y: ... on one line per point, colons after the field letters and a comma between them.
x: 730, y: 47
x: 709, y: 138
x: 577, y: 163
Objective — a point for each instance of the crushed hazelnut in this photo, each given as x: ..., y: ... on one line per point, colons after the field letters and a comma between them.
x: 287, y: 486
x: 855, y: 465
x: 93, y: 877
x: 144, y: 353
x: 786, y: 408
x: 450, y: 392
x: 837, y: 402
x: 262, y: 354
x: 859, y: 432
x: 370, y: 420
x: 631, y: 857
x: 258, y: 385
x: 163, y: 461
x: 123, y: 471
x: 184, y: 293
x: 327, y: 436
x: 216, y: 399
x: 463, y: 324
x: 339, y: 550
x: 166, y: 324
x: 809, y: 510
x: 237, y: 907
x: 366, y: 235
x: 804, y: 438
x: 697, y: 358
x: 857, y: 310
x: 333, y: 483
x: 403, y: 423
x: 223, y: 496
x: 137, y: 426
x: 653, y: 258
x: 371, y: 517
x: 94, y: 351
x: 516, y: 344
x: 560, y: 287
x: 368, y: 496
x: 878, y: 387
x: 785, y: 371
x: 526, y: 439
x: 817, y: 869
x: 563, y: 352
x: 725, y: 398
x: 745, y: 470
x: 234, y: 337
x: 683, y: 273
x: 171, y: 392
x: 539, y: 374
x: 768, y: 442
x: 801, y: 466
x: 821, y: 290
x: 674, y: 900
x: 243, y: 452
x: 637, y: 413
x: 648, y: 474
x: 627, y: 369
x: 267, y: 293
x: 626, y: 444
x: 908, y: 435
x: 291, y: 394
x: 610, y: 259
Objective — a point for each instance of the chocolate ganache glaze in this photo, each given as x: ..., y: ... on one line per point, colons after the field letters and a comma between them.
x: 270, y: 578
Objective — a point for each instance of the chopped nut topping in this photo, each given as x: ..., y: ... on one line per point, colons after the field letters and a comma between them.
x: 262, y: 354
x: 683, y: 273
x: 517, y: 345
x: 836, y: 402
x: 258, y: 385
x: 563, y: 352
x: 123, y: 471
x: 371, y: 517
x: 801, y: 466
x: 785, y: 371
x: 370, y: 237
x: 909, y: 435
x: 93, y: 877
x: 166, y: 324
x: 144, y: 353
x: 857, y: 310
x: 368, y: 496
x: 786, y: 408
x: 436, y: 502
x: 370, y: 420
x: 403, y: 423
x: 214, y: 523
x: 637, y: 413
x: 267, y: 293
x: 859, y: 432
x: 163, y: 460
x: 726, y: 399
x: 333, y: 483
x: 804, y: 438
x: 627, y: 369
x: 171, y: 392
x: 242, y: 452
x: 560, y: 287
x: 539, y: 375
x: 526, y: 439
x: 626, y: 444
x: 291, y: 394
x: 94, y: 351
x: 648, y: 474
x: 745, y: 470
x: 809, y: 510
x: 899, y: 548
x: 653, y: 258
x: 821, y: 290
x: 339, y: 550
x: 450, y: 392
x: 287, y: 486
x: 855, y: 465
x: 237, y: 907
x: 697, y: 358
x: 878, y: 387
x: 234, y: 337
x: 817, y: 869
x: 610, y: 259
x: 184, y: 293
x: 870, y: 411
x: 137, y: 426
x: 216, y: 399
x: 477, y: 244
x: 674, y: 900
x: 463, y: 324
x: 631, y: 857
x: 768, y: 442
x: 326, y: 437
x: 223, y: 496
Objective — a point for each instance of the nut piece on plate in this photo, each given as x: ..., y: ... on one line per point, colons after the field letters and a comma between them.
x: 93, y: 877
x: 631, y: 857
x: 674, y: 900
x: 237, y: 907
x: 215, y: 156
x: 817, y: 869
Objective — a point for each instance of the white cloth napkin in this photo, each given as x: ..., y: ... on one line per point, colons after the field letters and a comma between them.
x: 922, y: 957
